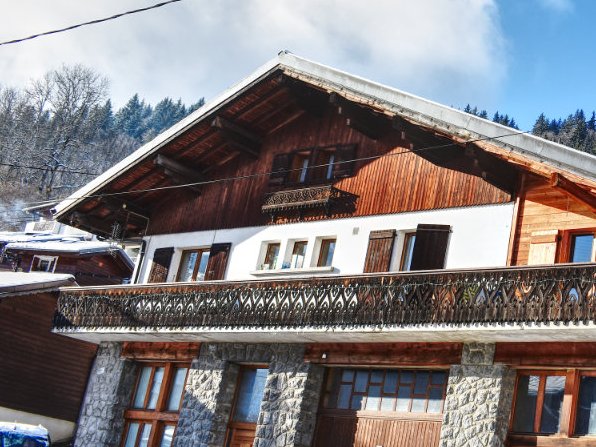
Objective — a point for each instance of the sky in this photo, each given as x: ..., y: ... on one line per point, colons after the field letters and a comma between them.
x: 520, y: 57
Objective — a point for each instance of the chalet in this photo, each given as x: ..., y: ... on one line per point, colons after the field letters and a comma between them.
x: 49, y: 246
x: 42, y: 375
x: 328, y: 261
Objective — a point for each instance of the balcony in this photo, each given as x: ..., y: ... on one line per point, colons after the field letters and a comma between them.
x: 305, y: 198
x: 442, y: 305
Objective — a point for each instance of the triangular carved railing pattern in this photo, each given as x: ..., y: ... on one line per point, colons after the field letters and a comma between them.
x: 560, y: 294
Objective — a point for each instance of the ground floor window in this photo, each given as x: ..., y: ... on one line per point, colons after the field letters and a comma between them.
x: 407, y: 391
x: 153, y: 413
x: 561, y: 403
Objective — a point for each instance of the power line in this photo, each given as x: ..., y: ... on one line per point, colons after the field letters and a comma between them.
x: 261, y: 174
x: 40, y: 168
x: 92, y: 22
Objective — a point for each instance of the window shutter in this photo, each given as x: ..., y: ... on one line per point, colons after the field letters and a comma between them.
x: 343, y: 166
x: 162, y: 257
x: 218, y: 261
x: 380, y: 249
x: 543, y: 247
x: 430, y: 248
x: 279, y: 170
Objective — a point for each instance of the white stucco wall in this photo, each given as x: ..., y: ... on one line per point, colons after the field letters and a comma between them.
x: 479, y: 238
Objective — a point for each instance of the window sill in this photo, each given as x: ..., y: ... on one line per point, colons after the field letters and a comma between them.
x: 292, y: 271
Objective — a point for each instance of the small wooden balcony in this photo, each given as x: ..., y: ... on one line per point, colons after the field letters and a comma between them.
x: 442, y: 305
x: 302, y: 199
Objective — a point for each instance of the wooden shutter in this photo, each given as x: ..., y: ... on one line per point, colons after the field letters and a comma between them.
x: 218, y: 261
x: 380, y: 249
x: 344, y: 154
x: 543, y: 247
x: 430, y: 248
x: 162, y: 257
x: 279, y: 170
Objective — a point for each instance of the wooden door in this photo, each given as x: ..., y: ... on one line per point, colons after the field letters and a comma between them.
x: 246, y: 407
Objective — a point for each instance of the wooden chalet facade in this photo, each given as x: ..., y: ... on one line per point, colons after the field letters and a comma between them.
x: 331, y: 262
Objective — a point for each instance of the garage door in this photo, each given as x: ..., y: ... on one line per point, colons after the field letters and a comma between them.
x: 381, y: 408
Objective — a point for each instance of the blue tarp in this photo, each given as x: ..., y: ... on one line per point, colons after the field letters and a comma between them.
x: 22, y: 435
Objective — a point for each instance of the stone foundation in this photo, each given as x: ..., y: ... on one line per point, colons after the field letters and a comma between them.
x: 478, y: 401
x: 108, y: 394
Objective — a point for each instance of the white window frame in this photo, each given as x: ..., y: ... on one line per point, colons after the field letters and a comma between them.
x: 53, y: 261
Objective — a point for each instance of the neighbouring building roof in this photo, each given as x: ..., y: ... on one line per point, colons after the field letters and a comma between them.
x: 19, y: 283
x: 466, y: 127
x: 69, y: 245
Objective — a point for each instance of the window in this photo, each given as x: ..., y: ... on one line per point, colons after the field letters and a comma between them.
x: 408, y: 251
x: 298, y: 254
x: 585, y: 423
x: 313, y: 165
x: 582, y: 247
x: 407, y: 391
x: 271, y: 255
x: 426, y: 248
x: 538, y: 402
x: 326, y: 253
x: 299, y: 167
x: 44, y: 263
x: 151, y: 420
x: 561, y: 403
x: 193, y: 265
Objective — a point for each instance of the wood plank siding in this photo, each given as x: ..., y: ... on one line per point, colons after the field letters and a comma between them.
x: 88, y: 270
x: 41, y: 372
x: 344, y: 429
x: 389, y: 184
x: 544, y: 209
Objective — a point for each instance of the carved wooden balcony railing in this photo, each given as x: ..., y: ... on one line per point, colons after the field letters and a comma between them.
x: 561, y: 294
x: 304, y: 198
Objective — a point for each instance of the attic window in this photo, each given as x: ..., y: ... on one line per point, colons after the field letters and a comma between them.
x: 313, y: 165
x: 44, y: 263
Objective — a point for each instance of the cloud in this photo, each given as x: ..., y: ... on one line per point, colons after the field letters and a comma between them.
x: 442, y: 50
x: 557, y: 5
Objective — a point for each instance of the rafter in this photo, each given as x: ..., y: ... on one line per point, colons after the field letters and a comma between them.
x: 568, y: 187
x: 365, y: 121
x: 238, y: 137
x: 179, y: 173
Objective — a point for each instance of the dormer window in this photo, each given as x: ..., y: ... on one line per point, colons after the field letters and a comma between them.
x: 313, y: 165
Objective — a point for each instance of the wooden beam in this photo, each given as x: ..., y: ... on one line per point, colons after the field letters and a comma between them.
x: 116, y: 204
x: 312, y: 101
x: 179, y: 173
x: 359, y: 118
x: 378, y: 354
x: 238, y: 137
x: 567, y: 186
x: 163, y: 351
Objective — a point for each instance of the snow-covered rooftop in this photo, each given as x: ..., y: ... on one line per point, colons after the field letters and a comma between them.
x: 17, y: 283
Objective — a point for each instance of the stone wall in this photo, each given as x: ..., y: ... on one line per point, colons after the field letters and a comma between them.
x: 478, y: 401
x: 109, y: 392
x: 290, y: 400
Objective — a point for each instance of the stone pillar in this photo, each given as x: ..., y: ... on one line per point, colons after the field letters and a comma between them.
x: 478, y: 401
x: 110, y: 388
x: 290, y: 401
x: 207, y: 400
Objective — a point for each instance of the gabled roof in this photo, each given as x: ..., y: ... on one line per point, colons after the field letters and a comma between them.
x: 531, y: 152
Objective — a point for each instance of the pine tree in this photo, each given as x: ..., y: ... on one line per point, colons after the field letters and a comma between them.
x: 541, y: 126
